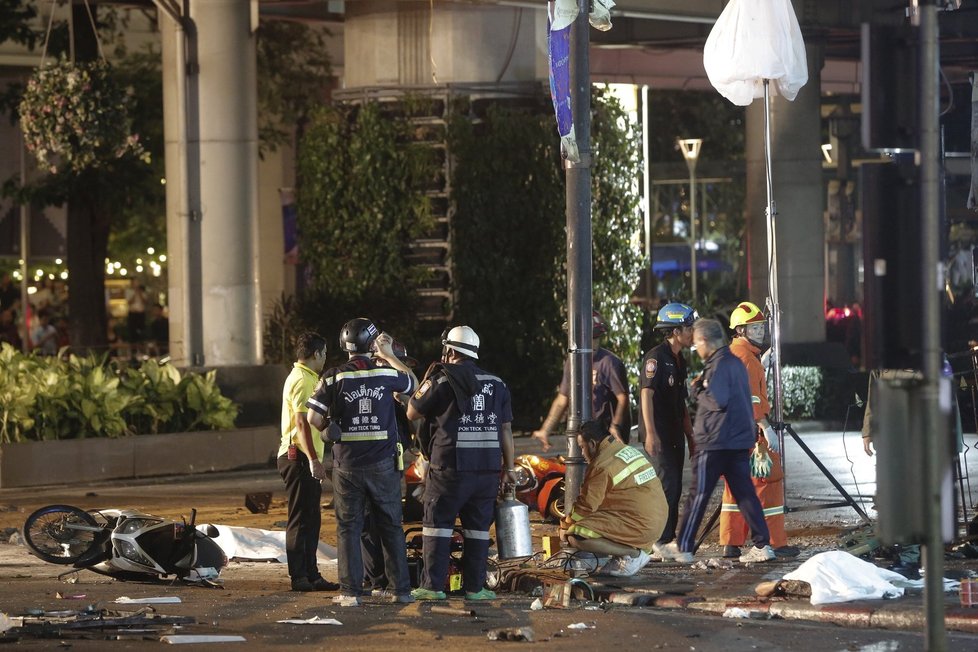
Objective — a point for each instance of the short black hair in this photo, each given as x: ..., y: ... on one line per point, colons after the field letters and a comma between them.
x: 308, y: 344
x: 594, y: 431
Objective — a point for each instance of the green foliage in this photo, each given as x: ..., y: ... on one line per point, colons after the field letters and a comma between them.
x: 361, y: 200
x: 802, y: 387
x: 282, y: 326
x: 616, y: 226
x: 15, y: 22
x: 509, y: 247
x: 75, y: 397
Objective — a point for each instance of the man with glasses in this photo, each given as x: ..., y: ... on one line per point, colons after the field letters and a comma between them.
x: 664, y: 425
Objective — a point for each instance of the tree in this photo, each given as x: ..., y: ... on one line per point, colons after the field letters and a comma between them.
x: 15, y: 17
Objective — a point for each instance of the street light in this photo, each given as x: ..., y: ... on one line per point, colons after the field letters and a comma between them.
x: 690, y: 147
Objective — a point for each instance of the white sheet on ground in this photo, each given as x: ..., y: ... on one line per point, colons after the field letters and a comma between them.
x: 255, y: 544
x: 837, y: 576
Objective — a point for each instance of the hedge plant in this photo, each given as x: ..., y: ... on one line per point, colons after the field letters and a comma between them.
x: 362, y: 198
x: 72, y: 397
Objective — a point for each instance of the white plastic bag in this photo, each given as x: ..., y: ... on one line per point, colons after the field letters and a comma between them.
x: 754, y: 40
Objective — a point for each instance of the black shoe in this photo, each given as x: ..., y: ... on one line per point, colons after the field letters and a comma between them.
x: 303, y: 585
x: 323, y: 584
x: 787, y: 551
x: 731, y: 551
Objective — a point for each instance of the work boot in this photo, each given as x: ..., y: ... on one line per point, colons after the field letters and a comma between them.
x: 428, y: 594
x: 303, y: 585
x: 731, y: 552
x: 484, y: 594
x: 757, y: 555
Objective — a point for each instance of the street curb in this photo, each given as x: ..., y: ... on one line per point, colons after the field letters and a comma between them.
x: 844, y: 615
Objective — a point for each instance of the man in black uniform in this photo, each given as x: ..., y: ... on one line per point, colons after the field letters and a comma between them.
x: 471, y: 440
x: 358, y: 399
x: 664, y: 424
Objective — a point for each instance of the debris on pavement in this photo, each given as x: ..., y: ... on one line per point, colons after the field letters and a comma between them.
x: 61, y: 596
x: 511, y: 634
x: 201, y: 638
x: 580, y: 626
x: 452, y: 611
x: 315, y: 620
x: 713, y: 562
x: 536, y: 605
x: 92, y: 623
x: 166, y: 599
x: 346, y: 601
x: 258, y: 503
x: 740, y: 612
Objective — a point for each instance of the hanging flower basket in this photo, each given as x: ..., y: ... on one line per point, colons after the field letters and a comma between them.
x: 75, y: 116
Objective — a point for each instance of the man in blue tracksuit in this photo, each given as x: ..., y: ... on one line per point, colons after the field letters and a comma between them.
x: 355, y: 402
x: 471, y: 441
x: 723, y: 435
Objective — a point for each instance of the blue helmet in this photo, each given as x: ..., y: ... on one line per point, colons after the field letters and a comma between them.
x: 675, y: 315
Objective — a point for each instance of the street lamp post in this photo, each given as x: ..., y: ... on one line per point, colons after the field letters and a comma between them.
x: 690, y: 147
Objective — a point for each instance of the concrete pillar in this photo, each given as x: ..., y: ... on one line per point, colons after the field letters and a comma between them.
x: 228, y: 182
x: 800, y: 201
x: 177, y: 213
x: 390, y: 43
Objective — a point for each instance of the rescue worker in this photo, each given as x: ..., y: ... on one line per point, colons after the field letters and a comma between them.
x: 371, y: 549
x: 723, y: 434
x: 609, y: 391
x: 299, y: 462
x: 471, y: 441
x: 354, y: 404
x: 664, y: 425
x: 750, y: 334
x: 621, y: 508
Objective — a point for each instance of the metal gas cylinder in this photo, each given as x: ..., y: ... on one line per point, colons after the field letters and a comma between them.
x: 513, y: 537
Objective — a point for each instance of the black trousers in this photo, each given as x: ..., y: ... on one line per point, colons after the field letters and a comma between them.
x: 305, y: 516
x: 669, y: 467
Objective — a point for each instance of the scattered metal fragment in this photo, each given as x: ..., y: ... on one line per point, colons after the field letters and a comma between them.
x: 511, y: 634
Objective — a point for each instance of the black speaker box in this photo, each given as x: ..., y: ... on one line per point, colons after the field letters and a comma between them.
x: 893, y: 285
x: 890, y: 79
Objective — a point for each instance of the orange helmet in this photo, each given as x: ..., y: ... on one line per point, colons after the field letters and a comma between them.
x: 746, y: 313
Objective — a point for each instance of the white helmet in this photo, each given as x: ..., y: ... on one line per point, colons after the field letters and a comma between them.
x: 464, y: 340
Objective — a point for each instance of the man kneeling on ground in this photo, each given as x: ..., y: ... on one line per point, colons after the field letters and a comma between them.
x: 621, y: 509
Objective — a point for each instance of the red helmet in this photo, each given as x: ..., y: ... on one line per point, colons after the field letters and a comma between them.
x: 598, y: 326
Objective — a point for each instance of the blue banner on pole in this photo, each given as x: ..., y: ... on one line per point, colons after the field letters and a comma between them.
x: 558, y: 42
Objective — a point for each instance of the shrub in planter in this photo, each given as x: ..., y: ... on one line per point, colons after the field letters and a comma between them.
x: 73, y: 397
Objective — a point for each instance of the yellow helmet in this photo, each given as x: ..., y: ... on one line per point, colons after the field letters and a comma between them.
x: 746, y: 313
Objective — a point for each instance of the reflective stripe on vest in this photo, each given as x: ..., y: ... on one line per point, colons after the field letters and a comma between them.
x: 622, y: 475
x: 477, y: 439
x: 446, y: 532
x: 370, y: 435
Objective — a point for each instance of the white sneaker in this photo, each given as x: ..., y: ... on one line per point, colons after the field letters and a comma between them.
x: 671, y: 552
x: 757, y: 555
x: 657, y: 553
x: 626, y: 566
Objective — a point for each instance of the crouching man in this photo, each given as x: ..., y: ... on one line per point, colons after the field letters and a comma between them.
x: 621, y: 509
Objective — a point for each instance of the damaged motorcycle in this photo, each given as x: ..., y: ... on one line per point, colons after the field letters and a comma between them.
x: 124, y: 544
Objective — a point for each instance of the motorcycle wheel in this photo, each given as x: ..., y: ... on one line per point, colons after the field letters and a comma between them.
x: 555, y: 506
x: 61, y: 534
